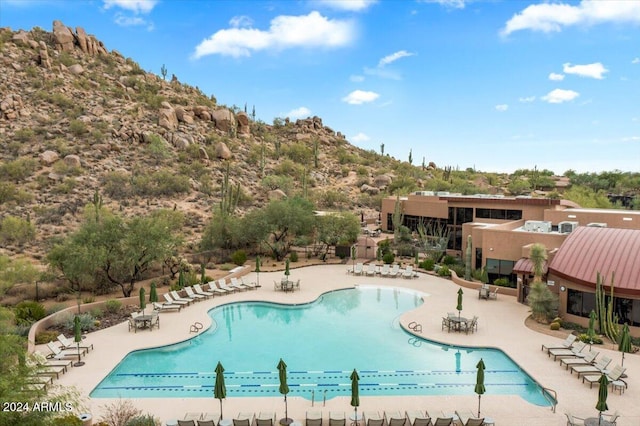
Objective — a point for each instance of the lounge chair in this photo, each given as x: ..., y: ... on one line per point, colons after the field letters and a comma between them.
x: 386, y: 269
x: 359, y: 269
x: 573, y: 420
x: 67, y: 343
x: 394, y: 418
x: 561, y: 353
x: 598, y: 367
x: 250, y: 285
x: 588, y: 359
x: 206, y: 422
x: 192, y: 294
x: 41, y: 359
x: 468, y: 419
x: 612, y: 376
x: 213, y: 288
x: 221, y: 283
x: 176, y: 297
x: 395, y: 271
x: 443, y: 421
x: 409, y: 273
x: 42, y: 369
x: 371, y: 270
x: 198, y: 289
x: 266, y: 418
x: 372, y: 418
x: 243, y: 419
x: 166, y: 306
x: 566, y: 344
x: 209, y: 417
x: 58, y: 353
x: 337, y: 418
x: 171, y: 301
x: 193, y: 416
x: 419, y: 418
x: 237, y: 285
x: 186, y: 423
x: 314, y: 418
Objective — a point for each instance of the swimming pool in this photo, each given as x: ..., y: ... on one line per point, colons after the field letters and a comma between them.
x: 321, y: 342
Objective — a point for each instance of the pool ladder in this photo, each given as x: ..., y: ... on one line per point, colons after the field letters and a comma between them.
x: 552, y: 399
x: 196, y: 327
x: 414, y: 326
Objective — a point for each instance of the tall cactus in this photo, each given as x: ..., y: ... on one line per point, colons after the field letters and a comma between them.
x: 262, y: 158
x: 278, y: 145
x: 97, y: 203
x: 607, y: 319
x: 382, y: 149
x: 316, y: 151
x: 228, y: 197
x: 467, y: 260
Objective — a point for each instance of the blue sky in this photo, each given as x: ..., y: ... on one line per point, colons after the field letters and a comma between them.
x: 495, y: 85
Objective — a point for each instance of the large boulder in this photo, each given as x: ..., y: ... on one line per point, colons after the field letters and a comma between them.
x: 382, y: 181
x: 222, y: 151
x: 48, y: 157
x: 62, y: 37
x: 72, y: 160
x: 243, y: 123
x: 276, y: 194
x: 167, y: 117
x: 223, y: 118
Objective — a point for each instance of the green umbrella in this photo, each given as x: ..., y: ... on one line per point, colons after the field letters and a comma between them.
x: 219, y: 390
x: 459, y: 307
x: 143, y: 304
x: 284, y: 388
x: 479, y: 389
x: 258, y: 270
x: 602, y: 394
x: 625, y: 342
x: 203, y: 274
x: 353, y: 257
x: 286, y: 267
x: 153, y: 293
x: 355, y: 393
x: 77, y: 337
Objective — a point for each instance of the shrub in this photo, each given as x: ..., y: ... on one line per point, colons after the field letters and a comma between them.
x: 458, y: 269
x: 87, y: 322
x: 96, y: 313
x: 239, y: 257
x: 77, y: 127
x: 502, y: 282
x: 113, y: 306
x: 584, y: 337
x: 554, y: 326
x: 449, y: 260
x: 88, y: 299
x: 293, y: 256
x: 18, y: 169
x: 68, y: 420
x: 16, y: 230
x: 146, y: 420
x: 444, y: 271
x: 427, y: 264
x: 388, y: 258
x: 28, y: 312
x: 46, y: 337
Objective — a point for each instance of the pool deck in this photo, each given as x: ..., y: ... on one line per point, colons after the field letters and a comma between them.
x: 500, y: 325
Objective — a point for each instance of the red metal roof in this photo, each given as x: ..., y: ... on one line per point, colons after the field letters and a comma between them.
x: 589, y: 250
x: 525, y: 266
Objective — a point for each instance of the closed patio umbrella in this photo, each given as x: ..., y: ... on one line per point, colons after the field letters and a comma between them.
x: 459, y: 307
x: 625, y: 345
x: 258, y: 270
x: 602, y: 395
x: 355, y: 392
x: 480, y: 389
x: 153, y: 293
x: 284, y: 389
x: 219, y: 389
x: 77, y: 337
x: 143, y: 303
x: 286, y: 268
x: 353, y: 258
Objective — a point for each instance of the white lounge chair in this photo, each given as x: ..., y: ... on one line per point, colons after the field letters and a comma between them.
x: 566, y: 344
x: 250, y: 285
x: 166, y: 306
x: 409, y: 273
x: 597, y: 368
x: 418, y: 418
x: 371, y: 270
x: 394, y: 418
x: 198, y: 289
x: 42, y: 369
x: 194, y: 295
x: 385, y: 271
x: 221, y: 283
x: 213, y: 288
x: 588, y: 359
x: 58, y: 353
x: 172, y: 301
x: 468, y: 419
x: 67, y: 343
x: 174, y: 294
x: 612, y: 376
x: 237, y: 284
x: 243, y: 419
x: 337, y: 418
x: 266, y: 418
x: 443, y: 421
x: 313, y: 418
x: 42, y: 359
x: 372, y: 418
x: 359, y: 269
x: 395, y: 271
x: 561, y: 353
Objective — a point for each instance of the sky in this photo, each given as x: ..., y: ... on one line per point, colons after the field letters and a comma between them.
x: 494, y: 85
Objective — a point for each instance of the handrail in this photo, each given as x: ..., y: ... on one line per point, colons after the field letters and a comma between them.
x: 554, y: 401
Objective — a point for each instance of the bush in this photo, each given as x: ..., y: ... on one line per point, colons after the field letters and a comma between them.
x: 427, y: 264
x: 17, y: 230
x: 388, y: 258
x: 449, y: 260
x: 146, y: 420
x: 293, y: 256
x: 502, y: 282
x: 46, y: 337
x: 239, y: 257
x: 458, y: 269
x: 113, y: 306
x: 68, y: 420
x: 87, y: 322
x: 444, y: 271
x: 584, y: 337
x: 554, y: 326
x: 28, y: 312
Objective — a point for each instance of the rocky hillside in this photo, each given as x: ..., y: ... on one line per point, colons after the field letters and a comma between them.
x: 76, y: 118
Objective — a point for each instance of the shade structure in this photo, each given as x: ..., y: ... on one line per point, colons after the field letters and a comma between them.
x: 219, y: 389
x: 480, y: 389
x: 143, y: 302
x: 153, y: 293
x: 286, y: 267
x: 77, y: 337
x: 625, y: 345
x: 355, y: 391
x: 284, y: 389
x: 258, y: 270
x: 602, y: 395
x: 459, y: 306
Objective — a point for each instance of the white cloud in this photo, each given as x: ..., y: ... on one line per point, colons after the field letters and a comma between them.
x: 631, y: 139
x: 559, y: 96
x: 393, y: 57
x: 552, y: 17
x: 129, y: 21
x: 502, y: 107
x: 285, y: 31
x: 300, y: 112
x: 456, y: 4
x: 383, y: 73
x: 241, y: 21
x: 635, y: 61
x: 137, y: 6
x: 350, y: 5
x: 356, y: 78
x: 556, y: 77
x: 595, y: 70
x: 359, y: 97
x: 360, y: 137
x: 527, y: 99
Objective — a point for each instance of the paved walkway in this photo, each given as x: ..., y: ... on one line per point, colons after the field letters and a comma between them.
x: 501, y: 325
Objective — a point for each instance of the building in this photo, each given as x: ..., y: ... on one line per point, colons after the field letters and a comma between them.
x: 503, y: 229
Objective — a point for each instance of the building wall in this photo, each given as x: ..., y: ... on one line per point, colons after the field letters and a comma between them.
x: 624, y: 219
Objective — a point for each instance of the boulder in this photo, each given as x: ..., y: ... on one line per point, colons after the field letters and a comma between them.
x: 72, y: 160
x: 83, y: 40
x: 48, y: 157
x: 276, y: 194
x: 62, y: 37
x: 203, y: 153
x: 371, y: 190
x: 167, y: 117
x: 382, y: 181
x: 222, y: 151
x: 223, y: 119
x: 76, y: 69
x: 243, y: 123
x: 43, y: 56
x: 21, y: 38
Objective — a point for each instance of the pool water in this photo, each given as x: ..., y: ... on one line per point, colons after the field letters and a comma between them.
x: 321, y: 343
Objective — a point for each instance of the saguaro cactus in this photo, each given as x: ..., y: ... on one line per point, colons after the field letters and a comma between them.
x: 607, y: 320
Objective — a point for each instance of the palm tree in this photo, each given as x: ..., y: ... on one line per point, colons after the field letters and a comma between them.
x: 537, y: 256
x: 542, y: 301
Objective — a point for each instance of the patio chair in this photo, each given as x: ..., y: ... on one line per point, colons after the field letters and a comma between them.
x: 394, y: 418
x: 419, y: 418
x: 359, y: 269
x: 266, y: 418
x: 166, y: 306
x: 213, y: 288
x: 67, y: 343
x: 221, y: 283
x: 192, y: 294
x: 41, y: 359
x: 611, y: 418
x: 385, y: 271
x: 42, y: 369
x: 573, y: 420
x: 371, y: 270
x: 471, y: 325
x: 313, y: 418
x: 250, y: 285
x: 468, y: 419
x: 372, y: 418
x: 588, y: 359
x: 494, y: 294
x: 446, y: 323
x: 133, y: 324
x: 598, y: 367
x: 395, y: 271
x: 612, y: 376
x: 443, y: 421
x: 409, y: 273
x: 176, y: 297
x: 155, y: 320
x: 171, y: 301
x: 560, y: 353
x: 198, y: 289
x: 566, y: 344
x: 337, y: 418
x: 237, y: 285
x: 58, y: 353
x: 186, y: 423
x: 243, y: 419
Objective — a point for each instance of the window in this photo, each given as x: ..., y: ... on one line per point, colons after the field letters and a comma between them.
x: 581, y: 303
x: 500, y: 214
x: 497, y: 268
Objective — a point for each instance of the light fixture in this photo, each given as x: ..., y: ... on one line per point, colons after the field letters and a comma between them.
x: 563, y: 288
x: 627, y: 219
x: 572, y: 216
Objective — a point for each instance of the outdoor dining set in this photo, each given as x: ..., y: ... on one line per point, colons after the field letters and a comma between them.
x: 454, y: 322
x: 286, y: 285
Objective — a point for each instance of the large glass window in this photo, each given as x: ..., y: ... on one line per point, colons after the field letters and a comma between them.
x: 497, y: 268
x: 581, y: 303
x: 501, y: 214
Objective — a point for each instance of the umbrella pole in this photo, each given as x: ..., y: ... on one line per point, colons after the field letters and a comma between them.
x: 286, y: 413
x: 221, y: 415
x: 479, y: 396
